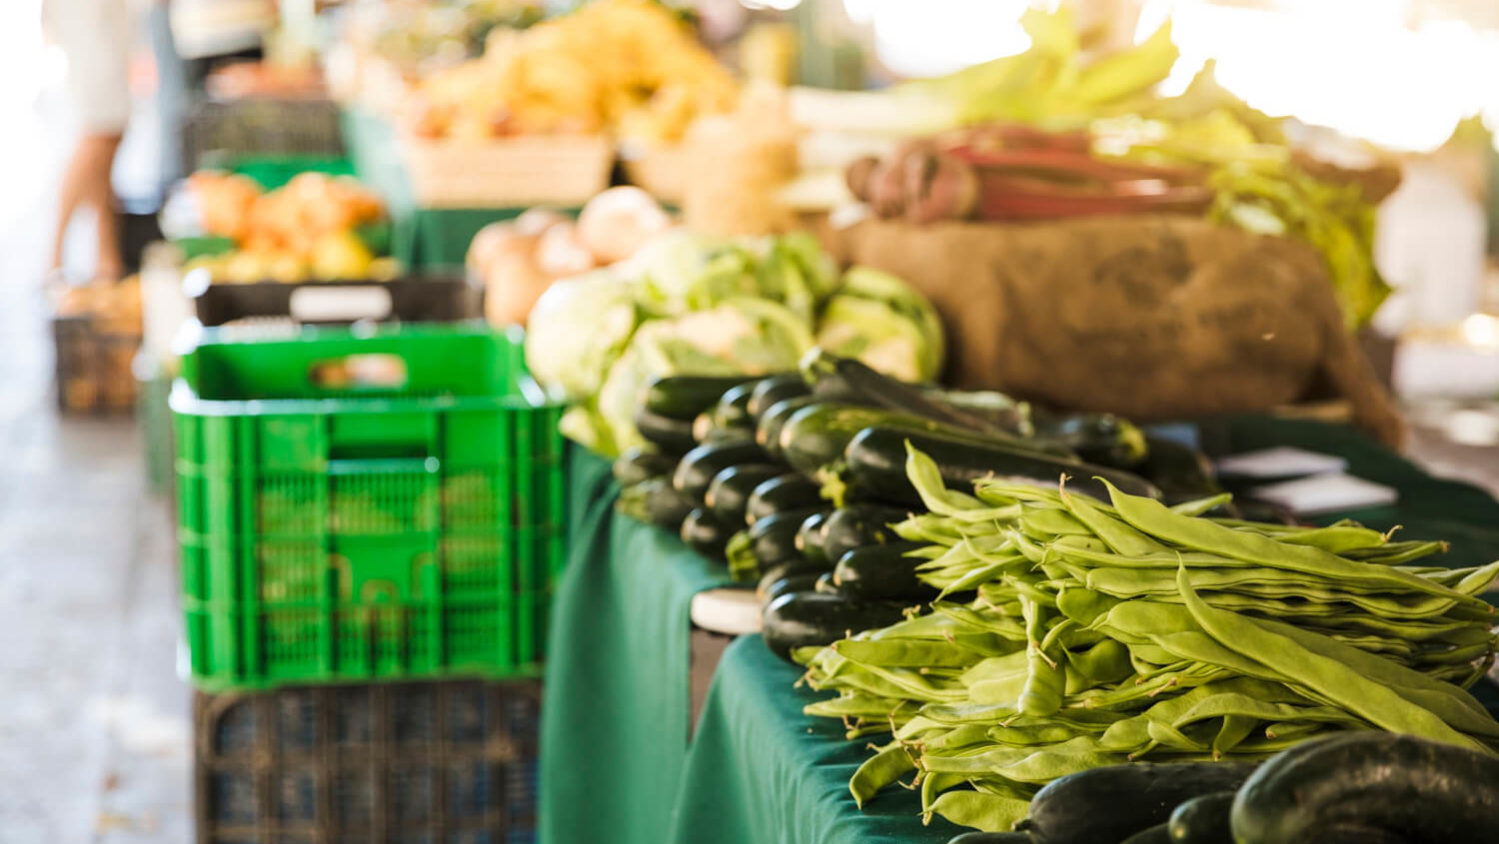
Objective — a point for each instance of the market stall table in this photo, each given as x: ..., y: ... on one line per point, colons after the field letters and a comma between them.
x: 759, y: 770
x: 616, y: 758
x: 617, y: 713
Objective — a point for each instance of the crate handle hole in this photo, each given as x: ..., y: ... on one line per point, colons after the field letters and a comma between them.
x: 379, y: 592
x: 359, y: 372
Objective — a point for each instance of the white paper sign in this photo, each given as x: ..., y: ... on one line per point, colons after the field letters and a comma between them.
x: 1326, y: 493
x: 1282, y: 462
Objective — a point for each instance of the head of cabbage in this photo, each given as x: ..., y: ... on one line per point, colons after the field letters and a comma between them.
x: 681, y: 271
x: 576, y: 331
x: 741, y: 335
x: 883, y: 322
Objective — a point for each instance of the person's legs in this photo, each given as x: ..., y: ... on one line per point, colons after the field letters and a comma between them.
x: 86, y: 184
x: 95, y: 35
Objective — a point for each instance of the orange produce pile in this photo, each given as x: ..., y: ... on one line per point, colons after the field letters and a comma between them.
x: 304, y: 229
x: 625, y: 67
x: 308, y: 206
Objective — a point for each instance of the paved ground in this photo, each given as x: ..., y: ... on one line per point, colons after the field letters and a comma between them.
x: 94, y: 724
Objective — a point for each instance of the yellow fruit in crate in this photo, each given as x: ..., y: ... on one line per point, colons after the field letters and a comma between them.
x: 340, y: 256
x: 287, y: 267
x: 385, y: 269
x: 243, y: 267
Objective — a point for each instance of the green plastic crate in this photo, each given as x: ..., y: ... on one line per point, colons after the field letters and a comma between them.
x: 355, y: 506
x: 153, y: 385
x: 274, y: 171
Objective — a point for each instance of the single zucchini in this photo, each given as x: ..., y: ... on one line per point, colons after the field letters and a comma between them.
x: 816, y: 435
x: 728, y: 494
x: 792, y: 576
x: 858, y: 526
x: 768, y: 431
x: 998, y: 409
x: 883, y: 573
x: 706, y: 430
x: 774, y: 537
x: 800, y: 619
x: 654, y: 501
x: 771, y: 391
x: 1139, y: 795
x: 825, y: 584
x: 874, y: 468
x: 810, y: 536
x: 705, y: 534
x: 1101, y: 438
x: 816, y: 438
x: 685, y: 396
x: 1203, y: 820
x: 672, y: 436
x: 732, y: 409
x: 847, y: 379
x: 1370, y: 783
x: 637, y: 465
x: 1158, y: 834
x: 699, y: 466
x: 789, y: 491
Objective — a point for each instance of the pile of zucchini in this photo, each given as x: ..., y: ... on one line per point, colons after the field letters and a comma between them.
x: 794, y: 479
x: 1354, y: 788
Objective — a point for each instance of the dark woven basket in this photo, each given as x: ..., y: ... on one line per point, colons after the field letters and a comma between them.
x: 213, y: 131
x: 93, y: 366
x: 451, y: 762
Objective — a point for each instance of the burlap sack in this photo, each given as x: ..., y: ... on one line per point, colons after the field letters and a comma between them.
x: 1148, y: 317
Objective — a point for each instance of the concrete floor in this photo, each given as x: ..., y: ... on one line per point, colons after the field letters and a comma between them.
x: 94, y: 722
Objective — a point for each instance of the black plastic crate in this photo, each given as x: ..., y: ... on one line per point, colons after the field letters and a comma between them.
x: 409, y: 299
x: 94, y: 366
x: 257, y: 126
x: 450, y: 762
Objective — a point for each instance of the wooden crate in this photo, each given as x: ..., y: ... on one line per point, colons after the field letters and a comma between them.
x: 506, y: 172
x: 660, y: 171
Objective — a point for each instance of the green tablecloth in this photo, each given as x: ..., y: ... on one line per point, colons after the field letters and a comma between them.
x: 616, y: 764
x: 616, y: 718
x: 761, y: 771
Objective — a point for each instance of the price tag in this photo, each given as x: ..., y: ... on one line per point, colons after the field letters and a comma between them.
x: 341, y: 303
x: 1283, y: 462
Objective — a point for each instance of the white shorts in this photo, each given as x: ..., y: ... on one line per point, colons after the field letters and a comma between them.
x: 95, y: 36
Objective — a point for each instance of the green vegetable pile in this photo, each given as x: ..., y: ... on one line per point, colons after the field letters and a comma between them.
x: 694, y: 305
x: 742, y: 468
x: 1336, y: 220
x: 1071, y: 634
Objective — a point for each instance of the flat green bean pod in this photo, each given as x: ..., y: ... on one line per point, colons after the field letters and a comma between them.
x: 1102, y: 632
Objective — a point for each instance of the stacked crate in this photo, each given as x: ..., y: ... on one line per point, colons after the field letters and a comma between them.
x: 215, y: 130
x: 366, y: 507
x: 443, y: 762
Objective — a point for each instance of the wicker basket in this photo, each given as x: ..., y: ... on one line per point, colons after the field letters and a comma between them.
x: 94, y: 365
x: 452, y: 762
x: 508, y: 172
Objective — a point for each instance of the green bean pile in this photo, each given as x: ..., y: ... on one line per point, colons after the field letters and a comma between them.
x: 1101, y: 634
